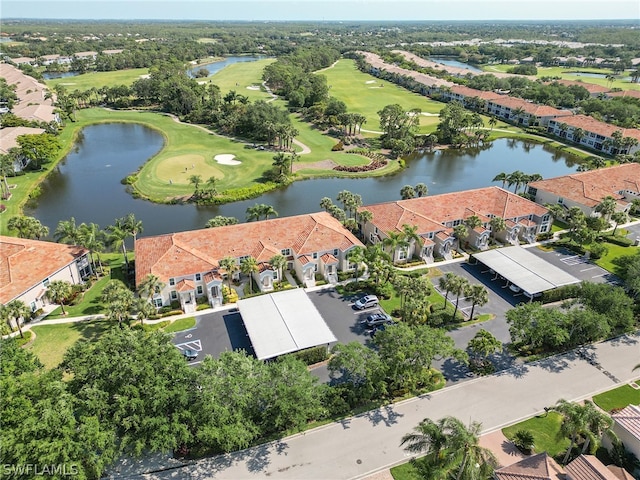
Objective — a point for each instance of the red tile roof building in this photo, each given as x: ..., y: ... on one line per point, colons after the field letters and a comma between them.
x: 535, y: 467
x: 523, y: 112
x: 626, y: 425
x: 587, y: 189
x: 27, y: 267
x: 311, y: 243
x: 436, y: 216
x: 588, y: 467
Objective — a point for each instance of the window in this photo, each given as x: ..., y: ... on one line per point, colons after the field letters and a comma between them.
x: 402, y: 254
x: 457, y: 222
x: 335, y: 252
x: 315, y: 255
x: 286, y: 252
x: 174, y: 295
x: 199, y: 290
x: 275, y: 275
x: 546, y: 218
x: 561, y: 200
x: 157, y: 302
x: 45, y: 282
x: 198, y: 277
x: 430, y: 236
x: 172, y: 282
x: 33, y: 306
x: 375, y: 230
x: 373, y: 238
x: 544, y: 228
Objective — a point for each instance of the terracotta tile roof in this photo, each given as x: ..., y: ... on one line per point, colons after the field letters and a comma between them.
x: 44, y: 113
x: 185, y: 253
x: 589, y: 188
x: 25, y: 263
x: 376, y: 62
x: 472, y: 92
x: 590, y: 124
x: 629, y: 419
x: 328, y: 258
x: 185, y: 286
x: 443, y: 236
x: 534, y: 109
x: 588, y: 467
x: 304, y: 259
x: 536, y: 467
x: 264, y: 266
x: 620, y: 473
x: 213, y: 276
x: 592, y: 88
x: 625, y: 93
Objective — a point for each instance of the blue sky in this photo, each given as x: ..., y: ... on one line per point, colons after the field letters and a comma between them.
x: 327, y: 10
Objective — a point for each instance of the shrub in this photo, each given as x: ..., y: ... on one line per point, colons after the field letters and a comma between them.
x: 130, y: 179
x: 523, y: 439
x: 558, y: 294
x: 337, y: 147
x: 312, y: 355
x: 202, y: 306
x: 620, y: 241
x: 598, y: 250
x: 3, y: 207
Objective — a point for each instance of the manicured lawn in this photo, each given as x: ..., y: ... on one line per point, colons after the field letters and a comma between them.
x: 570, y: 74
x: 406, y: 471
x: 614, y: 251
x: 546, y: 433
x: 618, y: 398
x: 367, y: 95
x: 52, y: 341
x: 98, y: 80
x: 240, y: 76
x: 181, y: 324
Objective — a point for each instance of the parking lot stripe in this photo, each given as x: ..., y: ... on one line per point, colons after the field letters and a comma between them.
x: 587, y: 269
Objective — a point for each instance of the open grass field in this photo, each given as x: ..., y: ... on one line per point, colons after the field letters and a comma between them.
x: 52, y: 341
x: 622, y: 80
x: 243, y: 77
x: 86, y: 81
x: 367, y: 95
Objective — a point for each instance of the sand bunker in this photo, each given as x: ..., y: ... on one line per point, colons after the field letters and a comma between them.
x: 226, y: 159
x: 253, y: 87
x: 371, y: 81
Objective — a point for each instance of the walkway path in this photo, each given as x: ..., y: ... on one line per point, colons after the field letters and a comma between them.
x: 360, y: 446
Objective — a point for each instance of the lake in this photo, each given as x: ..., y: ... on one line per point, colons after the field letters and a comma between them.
x: 52, y: 75
x: 453, y: 62
x: 86, y: 184
x: 215, y: 67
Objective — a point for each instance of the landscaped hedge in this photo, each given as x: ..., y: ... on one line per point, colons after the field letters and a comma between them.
x: 312, y: 355
x: 617, y: 240
x: 559, y: 294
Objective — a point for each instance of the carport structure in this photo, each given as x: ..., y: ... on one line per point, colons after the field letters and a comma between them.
x: 532, y: 274
x: 283, y: 322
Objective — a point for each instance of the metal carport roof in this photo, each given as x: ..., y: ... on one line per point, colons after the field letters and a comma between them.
x: 525, y: 270
x: 283, y: 322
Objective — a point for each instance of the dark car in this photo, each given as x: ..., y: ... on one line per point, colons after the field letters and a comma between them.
x: 376, y: 319
x: 189, y: 354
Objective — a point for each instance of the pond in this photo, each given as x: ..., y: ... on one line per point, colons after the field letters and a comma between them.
x: 454, y: 62
x: 215, y: 67
x: 86, y: 184
x: 52, y: 75
x: 595, y: 75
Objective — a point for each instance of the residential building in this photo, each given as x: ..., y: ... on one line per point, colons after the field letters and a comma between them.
x: 468, y: 97
x: 436, y: 217
x: 626, y: 426
x: 593, y: 89
x: 588, y: 467
x: 597, y: 135
x: 23, y: 61
x: 587, y: 189
x: 85, y: 55
x: 522, y: 112
x: 8, y: 140
x: 28, y: 266
x: 188, y: 263
x: 535, y: 467
x: 624, y: 94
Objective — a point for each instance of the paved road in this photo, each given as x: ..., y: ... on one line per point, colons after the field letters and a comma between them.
x: 359, y: 446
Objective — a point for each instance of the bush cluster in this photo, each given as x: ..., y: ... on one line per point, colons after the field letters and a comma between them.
x: 374, y: 165
x: 312, y: 355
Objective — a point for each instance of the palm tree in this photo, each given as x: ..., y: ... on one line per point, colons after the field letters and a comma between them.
x: 142, y: 309
x: 460, y: 286
x: 460, y: 232
x: 578, y: 135
x: 607, y: 207
x: 478, y: 296
x: 253, y: 213
x: 356, y: 256
x: 249, y: 266
x: 58, y: 291
x: 230, y: 265
x: 501, y: 177
x: 516, y: 178
x: 410, y: 233
x: 278, y: 262
x: 395, y: 241
x: 407, y: 192
x: 67, y: 232
x: 497, y: 225
x: 16, y: 310
x: 6, y: 169
x: 281, y: 163
x: 556, y: 210
x: 118, y: 299
x: 117, y: 238
x: 195, y: 180
x: 132, y: 226
x: 452, y: 450
x: 326, y: 203
x: 150, y: 286
x: 446, y: 283
x: 618, y: 218
x: 91, y: 238
x: 473, y: 222
x: 492, y: 122
x: 421, y: 190
x: 267, y: 211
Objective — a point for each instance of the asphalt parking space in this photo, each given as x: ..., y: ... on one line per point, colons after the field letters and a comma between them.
x: 213, y: 334
x: 634, y: 231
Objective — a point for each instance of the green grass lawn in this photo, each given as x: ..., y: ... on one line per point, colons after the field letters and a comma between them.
x: 239, y: 77
x: 546, y: 433
x: 618, y: 398
x: 98, y: 80
x: 367, y: 95
x: 405, y: 471
x: 52, y: 341
x: 180, y: 325
x: 614, y: 251
x: 570, y: 74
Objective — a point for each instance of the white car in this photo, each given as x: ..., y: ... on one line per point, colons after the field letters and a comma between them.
x: 367, y: 301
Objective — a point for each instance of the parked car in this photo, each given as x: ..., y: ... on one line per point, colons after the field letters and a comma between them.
x: 376, y: 319
x: 367, y: 301
x: 189, y: 354
x: 514, y: 288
